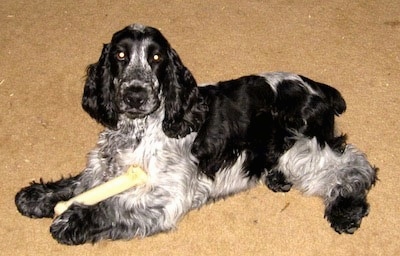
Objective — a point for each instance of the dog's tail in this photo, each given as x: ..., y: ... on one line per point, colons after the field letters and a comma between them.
x: 334, y: 97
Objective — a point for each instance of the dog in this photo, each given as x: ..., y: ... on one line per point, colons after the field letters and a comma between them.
x: 199, y: 144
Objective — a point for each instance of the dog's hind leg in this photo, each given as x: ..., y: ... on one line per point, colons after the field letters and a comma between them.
x: 341, y: 179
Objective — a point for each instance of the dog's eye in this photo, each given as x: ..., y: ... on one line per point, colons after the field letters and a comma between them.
x: 121, y: 56
x: 156, y: 58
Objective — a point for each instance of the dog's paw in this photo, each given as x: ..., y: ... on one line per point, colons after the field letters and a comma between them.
x: 78, y: 225
x: 277, y: 182
x: 35, y: 201
x: 345, y: 214
x: 176, y: 129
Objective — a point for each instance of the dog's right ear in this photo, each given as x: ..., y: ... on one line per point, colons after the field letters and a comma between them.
x: 98, y: 98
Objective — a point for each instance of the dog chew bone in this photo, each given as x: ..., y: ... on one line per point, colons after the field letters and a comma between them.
x: 134, y: 176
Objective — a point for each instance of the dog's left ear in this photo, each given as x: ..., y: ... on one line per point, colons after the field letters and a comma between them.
x: 184, y: 108
x: 98, y: 98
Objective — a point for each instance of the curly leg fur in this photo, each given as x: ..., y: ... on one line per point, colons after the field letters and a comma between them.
x: 108, y: 220
x: 276, y: 181
x: 115, y: 218
x: 38, y: 199
x: 121, y: 217
x: 345, y: 213
x: 80, y: 224
x: 342, y: 179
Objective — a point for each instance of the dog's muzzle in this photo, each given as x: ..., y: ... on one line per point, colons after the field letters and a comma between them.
x: 134, y: 97
x: 137, y: 99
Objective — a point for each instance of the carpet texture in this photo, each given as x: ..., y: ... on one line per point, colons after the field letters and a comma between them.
x: 354, y: 46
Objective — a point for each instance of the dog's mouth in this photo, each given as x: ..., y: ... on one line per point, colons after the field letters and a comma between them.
x: 141, y: 111
x: 137, y: 102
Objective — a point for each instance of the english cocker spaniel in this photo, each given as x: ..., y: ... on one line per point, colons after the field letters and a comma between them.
x: 199, y: 143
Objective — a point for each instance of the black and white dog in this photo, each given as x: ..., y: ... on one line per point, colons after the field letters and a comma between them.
x: 199, y: 144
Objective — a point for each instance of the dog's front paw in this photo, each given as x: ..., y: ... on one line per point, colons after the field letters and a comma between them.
x: 277, y: 182
x: 35, y: 201
x: 345, y: 214
x: 176, y: 129
x: 78, y: 225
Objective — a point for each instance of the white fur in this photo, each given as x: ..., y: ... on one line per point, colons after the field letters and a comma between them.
x: 275, y: 78
x: 322, y: 171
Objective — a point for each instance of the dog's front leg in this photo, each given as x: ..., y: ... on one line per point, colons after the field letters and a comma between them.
x: 120, y: 217
x: 38, y: 199
x: 80, y: 224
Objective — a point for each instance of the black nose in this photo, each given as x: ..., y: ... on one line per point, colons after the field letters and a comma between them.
x: 134, y: 99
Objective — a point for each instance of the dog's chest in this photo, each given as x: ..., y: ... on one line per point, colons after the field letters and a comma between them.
x: 151, y: 146
x: 148, y: 144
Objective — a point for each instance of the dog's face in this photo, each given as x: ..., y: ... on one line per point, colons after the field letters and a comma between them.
x: 137, y: 57
x: 137, y: 72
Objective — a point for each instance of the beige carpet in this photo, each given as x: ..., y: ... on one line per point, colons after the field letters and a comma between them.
x: 45, y: 47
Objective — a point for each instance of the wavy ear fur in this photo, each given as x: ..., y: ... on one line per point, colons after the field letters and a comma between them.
x: 184, y: 107
x: 99, y: 94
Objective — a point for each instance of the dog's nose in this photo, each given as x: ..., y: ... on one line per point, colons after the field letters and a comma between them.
x: 134, y: 99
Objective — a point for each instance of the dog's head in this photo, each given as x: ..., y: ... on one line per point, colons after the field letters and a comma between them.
x: 137, y: 72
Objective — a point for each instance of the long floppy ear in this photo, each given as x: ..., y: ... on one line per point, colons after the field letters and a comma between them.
x: 184, y: 108
x: 99, y: 93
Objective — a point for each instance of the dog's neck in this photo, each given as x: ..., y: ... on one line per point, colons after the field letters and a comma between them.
x: 137, y: 127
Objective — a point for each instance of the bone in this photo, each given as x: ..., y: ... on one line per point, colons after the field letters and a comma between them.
x: 134, y: 176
